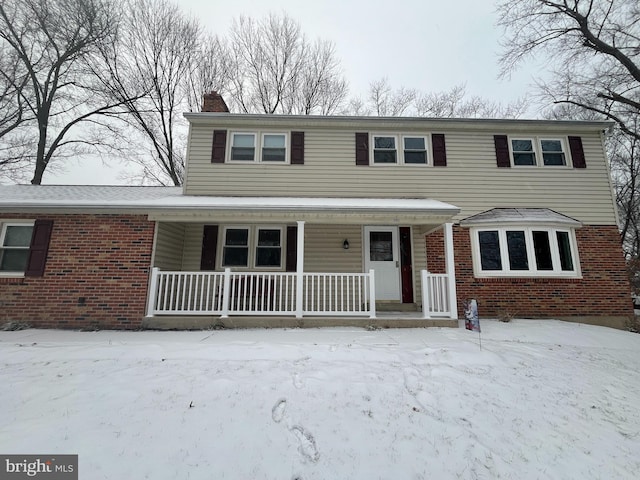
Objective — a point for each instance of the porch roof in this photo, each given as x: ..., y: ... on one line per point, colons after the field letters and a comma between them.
x: 170, y: 204
x: 523, y: 216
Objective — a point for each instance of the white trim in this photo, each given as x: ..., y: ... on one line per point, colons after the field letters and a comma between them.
x: 532, y: 272
x: 450, y: 268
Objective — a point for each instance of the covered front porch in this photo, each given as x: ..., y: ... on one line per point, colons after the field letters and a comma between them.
x: 340, y: 262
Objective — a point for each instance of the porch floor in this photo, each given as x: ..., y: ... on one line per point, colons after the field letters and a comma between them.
x: 383, y: 320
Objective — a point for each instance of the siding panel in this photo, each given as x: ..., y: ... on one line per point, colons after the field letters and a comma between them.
x: 169, y: 243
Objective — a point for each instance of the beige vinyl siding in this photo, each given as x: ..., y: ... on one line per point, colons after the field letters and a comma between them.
x: 169, y: 245
x: 324, y: 251
x: 471, y: 180
x: 192, y: 247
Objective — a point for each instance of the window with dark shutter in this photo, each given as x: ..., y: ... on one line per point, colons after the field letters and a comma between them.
x: 219, y: 147
x: 292, y: 249
x: 502, y: 151
x: 297, y: 148
x: 209, y: 247
x: 39, y: 248
x: 439, y: 150
x: 577, y: 152
x: 362, y: 149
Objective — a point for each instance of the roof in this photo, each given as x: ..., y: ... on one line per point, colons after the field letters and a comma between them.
x: 152, y: 200
x: 527, y: 216
x: 390, y: 122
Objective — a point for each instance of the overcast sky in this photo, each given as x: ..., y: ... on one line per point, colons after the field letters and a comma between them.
x: 430, y: 45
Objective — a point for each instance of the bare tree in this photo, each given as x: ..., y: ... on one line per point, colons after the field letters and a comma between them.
x: 150, y: 72
x: 276, y: 69
x: 54, y: 41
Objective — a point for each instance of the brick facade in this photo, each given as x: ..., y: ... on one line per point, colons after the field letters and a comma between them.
x: 96, y: 274
x: 603, y: 290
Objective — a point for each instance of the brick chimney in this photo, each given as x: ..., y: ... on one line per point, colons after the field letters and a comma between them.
x: 213, y: 102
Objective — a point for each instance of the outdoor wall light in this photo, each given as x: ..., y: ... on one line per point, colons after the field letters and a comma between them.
x: 345, y: 244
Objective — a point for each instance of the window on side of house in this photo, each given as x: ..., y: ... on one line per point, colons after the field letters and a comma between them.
x: 525, y: 252
x: 15, y: 239
x: 385, y: 149
x: 415, y: 150
x: 269, y: 247
x: 523, y: 152
x: 235, y: 251
x: 243, y: 147
x: 553, y: 152
x: 274, y: 147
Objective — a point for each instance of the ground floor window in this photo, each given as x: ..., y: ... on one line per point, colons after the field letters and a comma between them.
x: 520, y: 251
x: 259, y: 247
x: 15, y: 239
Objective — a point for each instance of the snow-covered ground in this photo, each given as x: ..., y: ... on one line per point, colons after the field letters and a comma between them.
x: 541, y: 400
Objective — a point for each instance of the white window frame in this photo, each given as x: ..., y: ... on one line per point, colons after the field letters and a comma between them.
x: 252, y: 245
x: 536, y: 144
x: 3, y: 231
x: 258, y: 142
x: 373, y: 149
x: 426, y: 150
x: 533, y: 271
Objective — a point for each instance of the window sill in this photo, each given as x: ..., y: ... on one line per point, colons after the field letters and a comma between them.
x: 527, y: 279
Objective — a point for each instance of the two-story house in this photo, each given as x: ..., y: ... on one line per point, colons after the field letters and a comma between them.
x: 317, y: 220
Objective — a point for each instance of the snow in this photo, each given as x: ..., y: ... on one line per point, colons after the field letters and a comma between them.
x: 541, y: 400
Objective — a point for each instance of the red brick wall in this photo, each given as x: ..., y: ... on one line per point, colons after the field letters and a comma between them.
x: 602, y: 291
x: 96, y: 275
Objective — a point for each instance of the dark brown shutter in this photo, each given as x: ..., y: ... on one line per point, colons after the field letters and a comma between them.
x: 577, y: 152
x: 219, y: 146
x: 39, y: 248
x: 439, y: 150
x: 292, y: 249
x: 297, y: 148
x: 502, y: 151
x: 362, y: 149
x: 209, y: 247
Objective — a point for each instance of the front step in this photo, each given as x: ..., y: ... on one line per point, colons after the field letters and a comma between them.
x: 396, y: 307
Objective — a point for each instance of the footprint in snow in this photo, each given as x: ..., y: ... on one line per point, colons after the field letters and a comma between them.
x: 277, y: 412
x: 297, y: 381
x: 307, y: 448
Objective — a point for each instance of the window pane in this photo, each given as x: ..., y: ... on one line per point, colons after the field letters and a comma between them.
x: 268, y: 256
x: 274, y: 141
x: 551, y: 145
x: 414, y: 143
x: 242, y: 153
x: 553, y: 158
x: 243, y: 140
x: 235, y: 256
x: 564, y: 246
x: 517, y: 248
x: 415, y: 157
x: 382, y: 156
x: 524, y: 159
x: 268, y: 238
x: 384, y: 142
x: 13, y: 260
x: 18, y: 236
x: 522, y: 145
x: 381, y: 246
x: 236, y: 236
x: 273, y: 154
x: 542, y: 249
x: 489, y: 250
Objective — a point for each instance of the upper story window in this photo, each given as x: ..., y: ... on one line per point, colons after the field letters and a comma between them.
x: 258, y: 147
x: 538, y: 151
x: 524, y: 252
x: 15, y: 239
x: 413, y: 149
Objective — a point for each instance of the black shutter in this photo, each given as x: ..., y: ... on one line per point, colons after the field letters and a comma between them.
x: 439, y: 150
x: 577, y: 152
x: 297, y: 148
x: 292, y: 249
x: 362, y: 149
x: 502, y: 151
x: 219, y: 146
x: 39, y: 248
x: 209, y: 246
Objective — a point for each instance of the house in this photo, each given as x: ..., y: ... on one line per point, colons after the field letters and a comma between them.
x: 309, y: 220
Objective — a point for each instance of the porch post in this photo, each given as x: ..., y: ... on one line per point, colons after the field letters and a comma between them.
x: 426, y: 307
x: 451, y: 269
x: 299, y: 268
x: 153, y: 292
x: 226, y: 293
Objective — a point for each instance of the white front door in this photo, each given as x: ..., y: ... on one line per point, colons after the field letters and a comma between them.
x: 381, y: 254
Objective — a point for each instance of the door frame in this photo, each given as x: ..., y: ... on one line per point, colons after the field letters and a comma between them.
x: 396, y: 251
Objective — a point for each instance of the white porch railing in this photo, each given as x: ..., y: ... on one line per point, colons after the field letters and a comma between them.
x: 250, y: 293
x: 436, y: 298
